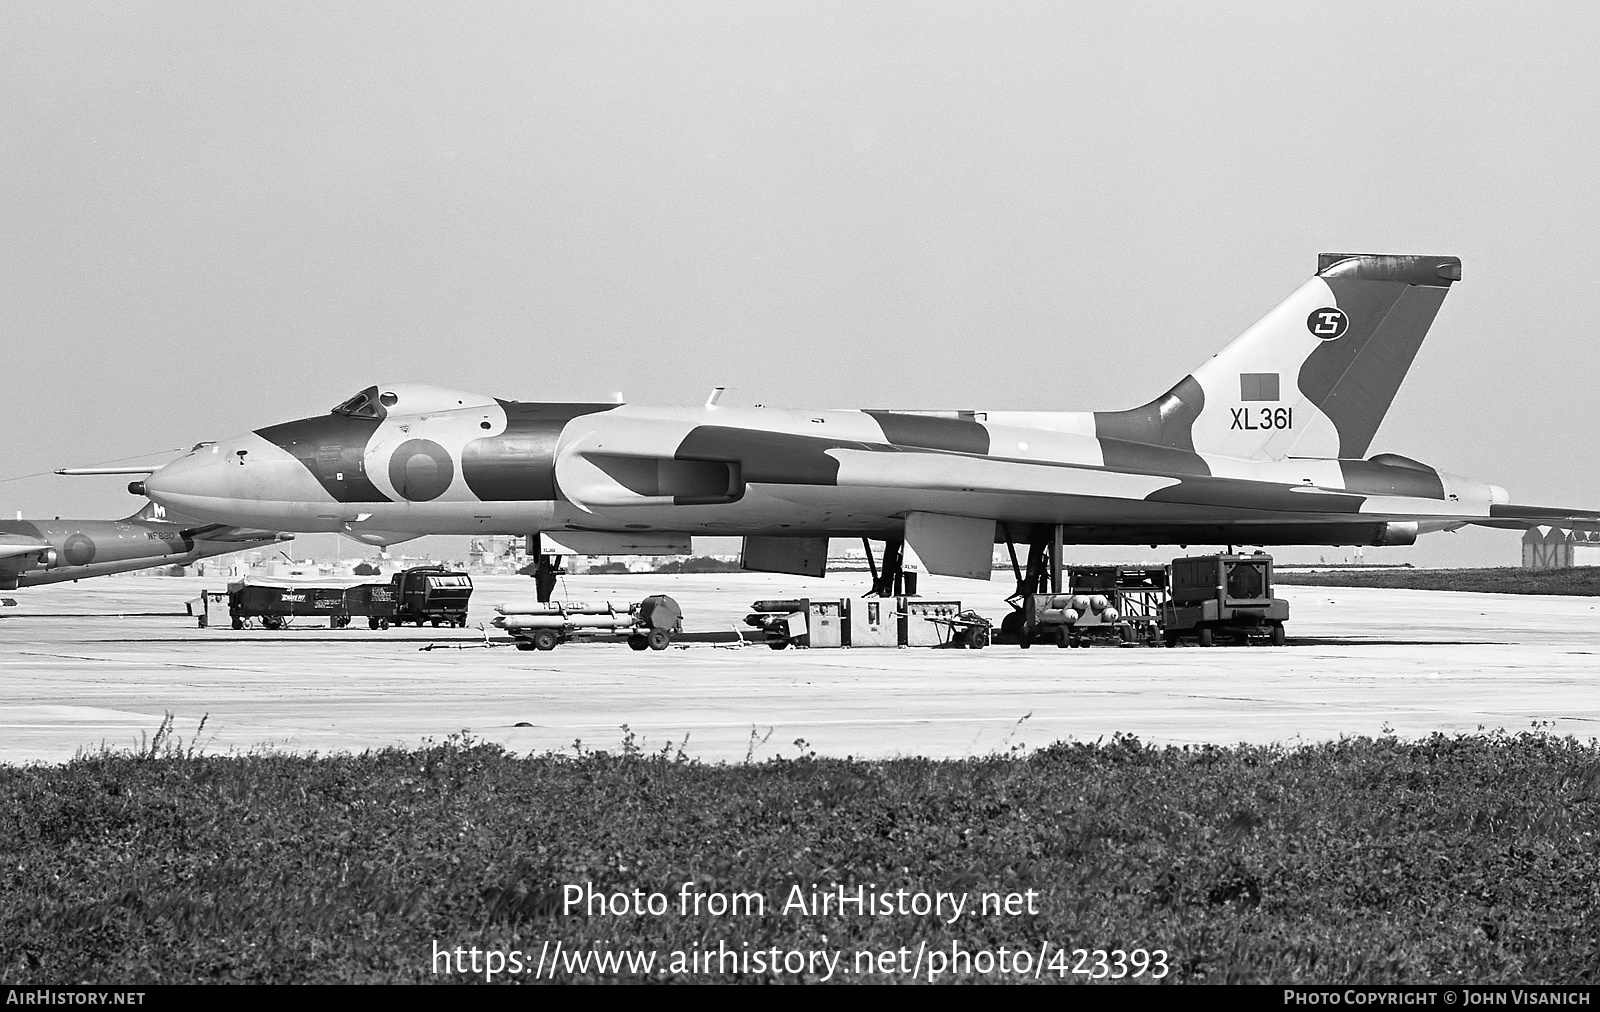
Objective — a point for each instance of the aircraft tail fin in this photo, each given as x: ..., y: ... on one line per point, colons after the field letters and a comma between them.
x: 150, y: 512
x: 1312, y: 378
x: 153, y: 512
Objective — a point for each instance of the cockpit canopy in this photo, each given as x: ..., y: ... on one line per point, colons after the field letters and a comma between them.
x: 369, y: 403
x: 408, y: 398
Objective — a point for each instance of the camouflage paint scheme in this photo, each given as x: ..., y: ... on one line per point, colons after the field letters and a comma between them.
x: 36, y: 552
x: 1264, y: 444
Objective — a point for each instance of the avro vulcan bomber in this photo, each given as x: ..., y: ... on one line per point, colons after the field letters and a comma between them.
x: 1264, y: 444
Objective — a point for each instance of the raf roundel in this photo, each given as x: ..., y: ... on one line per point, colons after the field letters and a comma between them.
x: 79, y: 550
x: 1327, y: 323
x: 421, y: 470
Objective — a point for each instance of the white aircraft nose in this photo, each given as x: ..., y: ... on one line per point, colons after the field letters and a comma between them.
x: 196, y: 475
x: 246, y: 481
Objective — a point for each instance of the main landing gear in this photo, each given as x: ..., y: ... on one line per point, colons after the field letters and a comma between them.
x: 1042, y: 576
x: 892, y: 580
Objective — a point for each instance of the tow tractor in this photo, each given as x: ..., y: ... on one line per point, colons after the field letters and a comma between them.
x: 429, y: 594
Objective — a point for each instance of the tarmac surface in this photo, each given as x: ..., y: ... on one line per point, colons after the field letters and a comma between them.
x: 104, y: 660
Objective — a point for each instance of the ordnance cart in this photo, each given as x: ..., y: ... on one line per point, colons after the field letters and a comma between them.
x: 541, y: 625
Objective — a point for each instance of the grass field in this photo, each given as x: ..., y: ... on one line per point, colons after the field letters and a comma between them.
x: 1469, y: 859
x: 1583, y: 581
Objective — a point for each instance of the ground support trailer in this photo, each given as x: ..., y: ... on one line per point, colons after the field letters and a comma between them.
x: 377, y: 602
x: 1107, y: 604
x: 1098, y: 604
x: 941, y: 624
x: 1216, y: 597
x: 952, y: 627
x: 277, y: 604
x: 1134, y: 595
x: 541, y: 625
x: 1071, y: 620
x: 786, y: 622
x: 871, y: 622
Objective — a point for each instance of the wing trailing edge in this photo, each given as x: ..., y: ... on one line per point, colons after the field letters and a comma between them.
x: 1513, y: 517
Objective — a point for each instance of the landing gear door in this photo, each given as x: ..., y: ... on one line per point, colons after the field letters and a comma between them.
x: 952, y: 546
x: 796, y: 556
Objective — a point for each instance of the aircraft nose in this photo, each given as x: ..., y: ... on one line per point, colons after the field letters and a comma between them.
x: 235, y: 481
x: 197, y: 474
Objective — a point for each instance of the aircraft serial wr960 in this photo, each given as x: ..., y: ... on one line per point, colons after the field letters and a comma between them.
x: 1264, y: 444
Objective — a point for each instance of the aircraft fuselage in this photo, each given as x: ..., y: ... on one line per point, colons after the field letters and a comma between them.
x: 458, y: 463
x: 62, y: 550
x: 1264, y: 443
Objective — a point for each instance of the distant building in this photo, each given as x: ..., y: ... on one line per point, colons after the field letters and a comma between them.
x: 497, y: 554
x: 1554, y: 548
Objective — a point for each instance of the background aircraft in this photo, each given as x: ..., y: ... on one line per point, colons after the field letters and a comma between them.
x: 1264, y: 444
x: 35, y: 552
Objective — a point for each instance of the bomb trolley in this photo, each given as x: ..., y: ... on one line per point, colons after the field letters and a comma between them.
x: 1111, y: 604
x: 540, y: 625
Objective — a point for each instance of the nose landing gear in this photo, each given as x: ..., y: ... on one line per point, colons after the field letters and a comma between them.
x: 545, y: 573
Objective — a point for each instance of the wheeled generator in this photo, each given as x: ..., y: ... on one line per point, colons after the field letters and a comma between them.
x: 1223, y: 597
x: 431, y: 594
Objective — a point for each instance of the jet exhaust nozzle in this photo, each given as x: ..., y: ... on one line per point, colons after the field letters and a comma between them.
x: 47, y: 558
x: 1397, y: 533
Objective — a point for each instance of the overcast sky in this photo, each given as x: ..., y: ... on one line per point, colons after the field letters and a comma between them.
x: 219, y: 216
